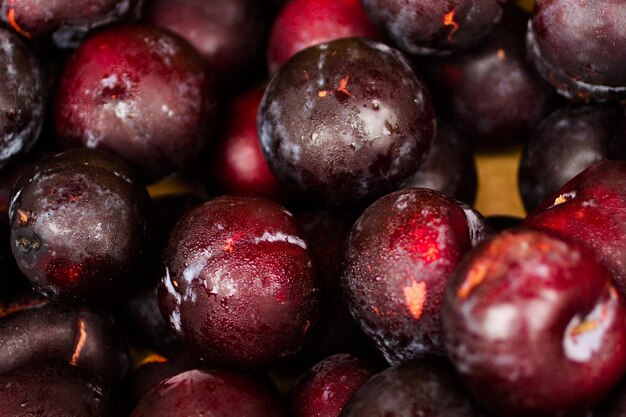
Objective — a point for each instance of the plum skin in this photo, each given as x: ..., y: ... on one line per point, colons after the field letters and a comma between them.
x: 80, y: 226
x: 344, y: 122
x: 239, y: 285
x: 140, y: 92
x: 400, y: 255
x: 533, y: 325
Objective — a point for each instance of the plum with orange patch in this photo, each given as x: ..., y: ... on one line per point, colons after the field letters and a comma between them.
x: 591, y: 208
x: 533, y: 325
x: 428, y: 27
x: 238, y: 285
x: 401, y: 253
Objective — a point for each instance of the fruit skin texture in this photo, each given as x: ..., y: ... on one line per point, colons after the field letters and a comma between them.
x: 80, y: 227
x: 139, y: 92
x: 68, y: 19
x: 565, y: 144
x: 426, y: 26
x: 491, y: 92
x: 209, y: 393
x: 229, y: 34
x: 55, y: 390
x: 324, y: 390
x: 35, y: 330
x: 239, y: 286
x: 345, y: 121
x: 304, y: 23
x: 577, y: 46
x: 238, y: 165
x: 534, y: 327
x: 401, y: 252
x: 414, y: 388
x: 22, y: 96
x: 591, y: 208
x: 449, y: 167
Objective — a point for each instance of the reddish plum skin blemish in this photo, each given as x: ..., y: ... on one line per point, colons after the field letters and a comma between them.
x: 239, y: 286
x: 533, y: 325
x: 401, y: 253
x: 345, y: 122
x: 140, y: 92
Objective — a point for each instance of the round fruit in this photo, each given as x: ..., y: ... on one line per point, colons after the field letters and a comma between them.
x: 80, y: 225
x: 140, y: 92
x: 239, y: 286
x: 534, y: 327
x: 346, y: 121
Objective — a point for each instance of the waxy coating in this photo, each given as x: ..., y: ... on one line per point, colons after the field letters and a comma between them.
x: 239, y: 285
x: 577, y: 46
x: 346, y: 121
x: 22, y: 97
x: 401, y: 252
x: 80, y: 226
x: 533, y: 325
x: 140, y: 92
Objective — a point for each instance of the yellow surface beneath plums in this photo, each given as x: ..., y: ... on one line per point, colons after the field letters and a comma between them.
x: 498, y: 193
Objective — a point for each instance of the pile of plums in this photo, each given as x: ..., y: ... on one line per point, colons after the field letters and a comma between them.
x: 264, y: 208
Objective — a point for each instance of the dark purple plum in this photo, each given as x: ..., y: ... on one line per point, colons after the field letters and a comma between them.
x: 238, y: 165
x: 22, y: 97
x: 346, y: 121
x: 33, y: 330
x: 156, y: 368
x: 401, y: 253
x: 326, y: 235
x: 80, y: 226
x: 141, y: 309
x: 591, y: 208
x: 414, y: 388
x: 577, y: 46
x: 239, y: 286
x: 212, y: 393
x: 324, y: 390
x: 68, y: 21
x: 229, y: 34
x: 55, y: 390
x: 140, y: 92
x: 534, y: 327
x: 490, y: 92
x: 427, y: 26
x: 304, y: 23
x: 565, y: 144
x: 449, y: 167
